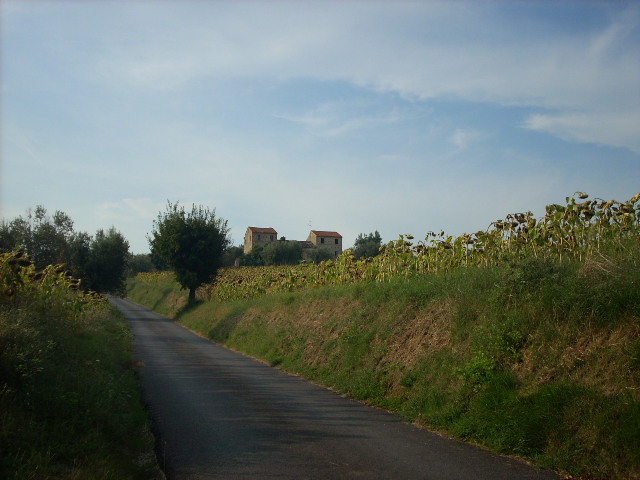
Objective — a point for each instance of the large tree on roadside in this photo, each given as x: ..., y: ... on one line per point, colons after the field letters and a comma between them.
x: 191, y: 243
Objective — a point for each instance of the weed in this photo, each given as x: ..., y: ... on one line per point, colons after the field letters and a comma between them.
x: 69, y: 407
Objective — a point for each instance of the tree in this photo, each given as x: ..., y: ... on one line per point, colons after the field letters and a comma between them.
x: 99, y: 262
x: 282, y: 252
x: 139, y: 263
x: 191, y: 243
x: 318, y: 255
x: 45, y: 239
x: 79, y: 252
x: 231, y: 254
x: 253, y: 258
x: 8, y: 240
x: 108, y: 262
x: 367, y: 245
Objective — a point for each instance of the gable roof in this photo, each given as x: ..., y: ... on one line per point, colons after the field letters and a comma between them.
x: 262, y: 230
x: 321, y: 233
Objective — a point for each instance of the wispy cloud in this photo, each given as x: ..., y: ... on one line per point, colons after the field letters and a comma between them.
x: 463, y: 138
x: 584, y: 71
x: 396, y: 116
x: 336, y: 119
x: 620, y: 129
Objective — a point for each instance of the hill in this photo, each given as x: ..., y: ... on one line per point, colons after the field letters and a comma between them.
x: 538, y: 358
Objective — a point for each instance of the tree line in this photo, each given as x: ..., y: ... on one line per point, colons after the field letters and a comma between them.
x: 194, y: 244
x: 289, y: 252
x: 100, y: 261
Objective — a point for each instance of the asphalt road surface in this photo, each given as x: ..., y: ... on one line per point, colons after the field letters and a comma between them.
x: 221, y: 415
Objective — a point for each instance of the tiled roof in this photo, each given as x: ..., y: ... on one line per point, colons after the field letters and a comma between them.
x: 319, y: 233
x: 262, y: 230
x: 305, y: 244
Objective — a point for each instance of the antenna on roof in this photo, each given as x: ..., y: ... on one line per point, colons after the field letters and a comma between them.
x: 309, y: 224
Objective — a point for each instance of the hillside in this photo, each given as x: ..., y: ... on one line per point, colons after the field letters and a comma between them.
x: 534, y: 357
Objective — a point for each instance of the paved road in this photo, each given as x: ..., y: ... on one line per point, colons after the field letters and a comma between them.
x: 221, y: 415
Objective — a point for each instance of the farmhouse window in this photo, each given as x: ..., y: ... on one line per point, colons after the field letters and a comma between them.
x: 336, y: 241
x: 322, y: 240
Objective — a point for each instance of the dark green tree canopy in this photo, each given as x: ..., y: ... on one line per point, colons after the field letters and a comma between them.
x: 108, y: 262
x: 253, y: 258
x: 139, y: 263
x: 282, y: 252
x: 367, y: 245
x: 191, y: 243
x: 232, y: 254
x: 51, y: 240
x: 46, y: 239
x: 318, y: 255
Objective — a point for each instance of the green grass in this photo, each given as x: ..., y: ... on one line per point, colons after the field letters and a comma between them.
x: 70, y: 405
x: 535, y: 358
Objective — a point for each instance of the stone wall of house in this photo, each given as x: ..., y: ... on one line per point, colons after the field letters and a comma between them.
x: 332, y: 241
x: 255, y: 236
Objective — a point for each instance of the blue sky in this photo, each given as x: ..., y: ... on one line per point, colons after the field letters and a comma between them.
x: 401, y: 117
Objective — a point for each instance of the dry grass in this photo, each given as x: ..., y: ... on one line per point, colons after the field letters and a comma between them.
x: 427, y: 330
x: 593, y: 357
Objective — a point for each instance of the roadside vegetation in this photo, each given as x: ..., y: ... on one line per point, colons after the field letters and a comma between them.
x: 70, y: 405
x: 524, y: 338
x: 99, y: 261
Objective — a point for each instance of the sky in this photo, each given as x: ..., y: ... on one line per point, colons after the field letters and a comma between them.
x: 348, y: 116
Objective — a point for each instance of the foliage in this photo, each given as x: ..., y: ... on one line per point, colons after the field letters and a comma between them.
x: 367, y: 246
x: 69, y: 402
x: 282, y: 252
x: 108, y: 262
x: 319, y: 255
x: 191, y: 243
x: 96, y: 261
x: 611, y: 228
x: 45, y: 238
x: 139, y: 263
x: 253, y: 258
x: 536, y: 357
x: 231, y: 254
x: 243, y: 282
x: 577, y: 231
x: 524, y: 337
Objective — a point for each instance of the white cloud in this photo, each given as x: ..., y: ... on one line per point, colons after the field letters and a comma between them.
x: 620, y: 129
x: 333, y: 119
x: 463, y: 138
x: 594, y: 73
x: 166, y: 110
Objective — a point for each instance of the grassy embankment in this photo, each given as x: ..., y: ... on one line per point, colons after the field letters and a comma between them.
x: 538, y: 359
x: 70, y: 405
x: 535, y: 355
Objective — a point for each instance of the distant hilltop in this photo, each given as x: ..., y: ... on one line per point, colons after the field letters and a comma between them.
x: 331, y: 241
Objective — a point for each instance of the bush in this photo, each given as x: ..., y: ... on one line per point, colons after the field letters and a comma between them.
x: 69, y: 402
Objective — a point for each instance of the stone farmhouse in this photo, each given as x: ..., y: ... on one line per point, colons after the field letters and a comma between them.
x: 331, y: 241
x: 255, y: 236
